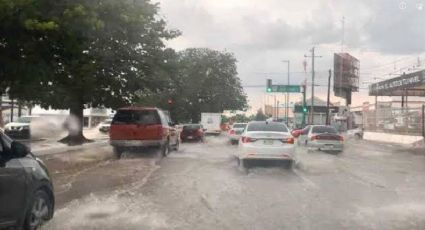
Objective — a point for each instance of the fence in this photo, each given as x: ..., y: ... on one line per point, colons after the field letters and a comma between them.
x: 408, y: 121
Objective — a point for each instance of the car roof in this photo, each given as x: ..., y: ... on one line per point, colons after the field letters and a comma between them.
x: 240, y: 123
x: 268, y: 122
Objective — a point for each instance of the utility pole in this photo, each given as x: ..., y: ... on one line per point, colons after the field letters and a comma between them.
x: 304, y: 102
x: 277, y: 110
x: 287, y: 96
x: 328, y: 100
x: 312, y: 83
x: 274, y: 110
x: 343, y: 34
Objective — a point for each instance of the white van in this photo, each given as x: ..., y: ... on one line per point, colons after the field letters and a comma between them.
x: 211, y: 122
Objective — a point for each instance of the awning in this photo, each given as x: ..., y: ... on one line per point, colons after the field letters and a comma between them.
x: 412, y: 84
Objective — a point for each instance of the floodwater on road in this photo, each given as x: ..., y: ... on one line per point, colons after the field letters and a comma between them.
x: 368, y: 186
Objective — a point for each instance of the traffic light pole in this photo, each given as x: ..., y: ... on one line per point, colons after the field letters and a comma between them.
x: 304, y: 104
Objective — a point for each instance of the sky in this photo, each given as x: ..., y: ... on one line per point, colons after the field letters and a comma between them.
x: 385, y: 35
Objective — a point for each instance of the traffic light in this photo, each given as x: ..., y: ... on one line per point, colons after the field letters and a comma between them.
x: 305, y: 109
x: 269, y: 85
x: 170, y: 101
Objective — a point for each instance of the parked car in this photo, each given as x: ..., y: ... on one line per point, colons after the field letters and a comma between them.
x: 321, y: 137
x: 138, y: 127
x: 20, y: 128
x: 355, y: 133
x: 105, y: 125
x: 191, y: 132
x: 26, y: 190
x: 263, y: 140
x: 236, y: 131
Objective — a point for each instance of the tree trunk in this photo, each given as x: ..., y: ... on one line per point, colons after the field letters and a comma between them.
x: 74, y: 124
x: 1, y: 111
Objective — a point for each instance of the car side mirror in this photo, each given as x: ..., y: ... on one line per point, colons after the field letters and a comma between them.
x: 19, y: 150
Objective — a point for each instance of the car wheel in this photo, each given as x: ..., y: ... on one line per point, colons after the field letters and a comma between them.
x: 118, y: 152
x: 177, y: 146
x: 39, y: 212
x: 289, y: 164
x: 165, y: 149
x: 358, y: 136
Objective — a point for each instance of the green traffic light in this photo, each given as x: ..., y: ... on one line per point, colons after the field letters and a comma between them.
x: 269, y: 90
x: 305, y: 109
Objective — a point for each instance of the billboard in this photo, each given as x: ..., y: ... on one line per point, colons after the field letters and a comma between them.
x: 346, y: 75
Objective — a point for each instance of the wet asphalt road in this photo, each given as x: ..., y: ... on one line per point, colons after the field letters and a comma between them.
x: 368, y: 186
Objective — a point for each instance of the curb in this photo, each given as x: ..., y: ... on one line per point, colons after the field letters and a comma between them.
x: 62, y: 149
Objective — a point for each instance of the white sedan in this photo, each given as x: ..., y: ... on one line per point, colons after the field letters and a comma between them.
x: 264, y: 140
x: 235, y: 132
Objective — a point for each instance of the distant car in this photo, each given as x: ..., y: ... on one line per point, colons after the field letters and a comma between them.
x: 236, y: 131
x: 105, y: 126
x: 192, y: 132
x: 263, y: 140
x: 138, y: 127
x: 355, y: 133
x: 20, y: 129
x: 26, y: 191
x: 321, y: 137
x: 296, y: 132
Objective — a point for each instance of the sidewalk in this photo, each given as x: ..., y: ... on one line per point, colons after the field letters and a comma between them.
x: 52, y: 146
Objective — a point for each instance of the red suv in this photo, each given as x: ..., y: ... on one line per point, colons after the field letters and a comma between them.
x: 136, y: 127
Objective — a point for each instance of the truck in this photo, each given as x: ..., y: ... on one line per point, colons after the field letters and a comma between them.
x: 211, y: 122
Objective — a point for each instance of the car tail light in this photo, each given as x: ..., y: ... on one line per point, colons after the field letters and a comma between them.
x: 232, y: 132
x: 289, y: 140
x: 199, y: 131
x: 247, y: 139
x: 314, y: 138
x: 341, y: 138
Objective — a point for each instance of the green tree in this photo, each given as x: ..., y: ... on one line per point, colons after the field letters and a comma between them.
x: 205, y: 80
x: 260, y: 116
x: 92, y: 53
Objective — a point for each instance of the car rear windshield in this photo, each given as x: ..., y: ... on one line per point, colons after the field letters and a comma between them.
x: 270, y: 127
x: 324, y: 129
x: 143, y: 117
x: 24, y: 120
x: 239, y: 126
x: 191, y: 127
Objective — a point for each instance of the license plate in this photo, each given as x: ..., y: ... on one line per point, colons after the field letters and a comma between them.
x: 329, y: 146
x: 268, y: 142
x: 189, y: 137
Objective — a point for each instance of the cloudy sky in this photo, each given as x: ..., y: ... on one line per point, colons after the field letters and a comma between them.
x: 385, y: 35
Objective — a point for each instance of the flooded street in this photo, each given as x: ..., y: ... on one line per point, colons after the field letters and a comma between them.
x: 368, y: 186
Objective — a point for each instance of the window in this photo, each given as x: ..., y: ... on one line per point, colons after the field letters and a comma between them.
x: 267, y: 127
x: 24, y: 120
x: 144, y: 117
x: 191, y: 127
x: 239, y: 126
x: 324, y: 129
